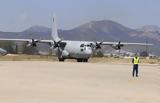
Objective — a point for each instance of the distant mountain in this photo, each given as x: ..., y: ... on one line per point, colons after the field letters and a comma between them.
x: 37, y: 28
x: 150, y: 28
x: 105, y: 30
x: 99, y: 30
x: 150, y: 31
x: 8, y: 34
x: 39, y: 32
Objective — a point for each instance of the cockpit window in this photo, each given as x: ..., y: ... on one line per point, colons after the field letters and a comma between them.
x: 82, y: 45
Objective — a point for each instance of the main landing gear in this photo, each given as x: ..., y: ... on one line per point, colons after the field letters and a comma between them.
x: 78, y: 60
x: 61, y: 59
x: 82, y: 60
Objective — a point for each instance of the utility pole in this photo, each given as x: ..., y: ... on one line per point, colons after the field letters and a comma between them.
x: 147, y: 54
x: 119, y: 52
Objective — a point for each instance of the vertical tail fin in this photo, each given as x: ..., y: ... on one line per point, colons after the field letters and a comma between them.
x: 54, y: 34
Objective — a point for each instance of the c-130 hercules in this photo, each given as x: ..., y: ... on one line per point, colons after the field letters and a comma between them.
x: 66, y: 49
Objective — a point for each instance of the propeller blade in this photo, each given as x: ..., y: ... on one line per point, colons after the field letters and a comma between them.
x: 119, y: 45
x: 57, y: 44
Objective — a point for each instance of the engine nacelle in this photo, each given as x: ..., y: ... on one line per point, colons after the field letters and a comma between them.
x: 115, y: 47
x: 96, y: 45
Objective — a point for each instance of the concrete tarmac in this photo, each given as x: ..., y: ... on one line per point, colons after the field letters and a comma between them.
x: 54, y: 82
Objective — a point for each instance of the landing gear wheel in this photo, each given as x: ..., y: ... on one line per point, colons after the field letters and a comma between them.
x: 82, y: 60
x: 79, y: 60
x: 61, y: 59
x: 85, y: 60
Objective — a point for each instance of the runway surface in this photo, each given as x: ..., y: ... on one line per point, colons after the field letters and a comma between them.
x: 54, y: 82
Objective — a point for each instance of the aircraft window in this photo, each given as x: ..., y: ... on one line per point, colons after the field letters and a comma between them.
x: 82, y: 45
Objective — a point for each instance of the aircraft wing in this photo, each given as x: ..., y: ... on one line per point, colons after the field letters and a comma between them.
x: 26, y: 40
x: 23, y: 40
x: 119, y: 45
x: 124, y: 43
x: 45, y: 41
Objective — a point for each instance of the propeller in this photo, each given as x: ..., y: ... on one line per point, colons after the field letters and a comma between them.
x: 119, y: 45
x: 32, y: 43
x: 57, y: 44
x: 96, y: 45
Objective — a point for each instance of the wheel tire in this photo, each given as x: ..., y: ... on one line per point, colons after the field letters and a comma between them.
x: 82, y: 60
x: 79, y: 60
x: 61, y: 59
x: 85, y: 60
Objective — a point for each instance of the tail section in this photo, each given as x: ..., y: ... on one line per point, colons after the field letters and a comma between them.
x: 54, y: 34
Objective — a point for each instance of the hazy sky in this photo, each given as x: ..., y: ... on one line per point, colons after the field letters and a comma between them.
x: 17, y: 15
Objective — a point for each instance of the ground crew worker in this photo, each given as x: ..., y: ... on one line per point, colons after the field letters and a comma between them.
x: 135, y: 62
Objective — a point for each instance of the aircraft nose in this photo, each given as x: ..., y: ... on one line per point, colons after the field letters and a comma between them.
x: 89, y: 51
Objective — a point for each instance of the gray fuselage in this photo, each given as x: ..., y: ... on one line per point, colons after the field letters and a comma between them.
x: 75, y: 50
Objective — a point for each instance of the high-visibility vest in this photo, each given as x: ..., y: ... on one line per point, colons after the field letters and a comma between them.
x: 136, y: 60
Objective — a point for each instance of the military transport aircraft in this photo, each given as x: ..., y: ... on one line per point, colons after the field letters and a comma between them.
x: 79, y: 50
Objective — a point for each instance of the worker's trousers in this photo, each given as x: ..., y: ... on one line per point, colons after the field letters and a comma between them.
x: 135, y: 69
